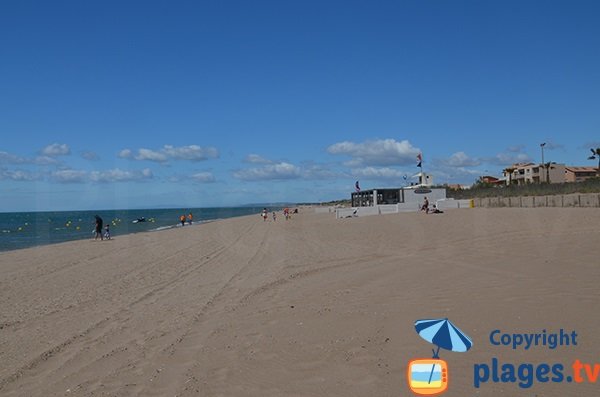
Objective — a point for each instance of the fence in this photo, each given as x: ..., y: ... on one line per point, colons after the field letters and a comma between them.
x: 397, y: 208
x: 565, y: 200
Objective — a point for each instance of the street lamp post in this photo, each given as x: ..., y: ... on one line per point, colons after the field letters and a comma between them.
x: 543, y: 164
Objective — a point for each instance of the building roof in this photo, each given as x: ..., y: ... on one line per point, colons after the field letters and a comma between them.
x: 581, y: 169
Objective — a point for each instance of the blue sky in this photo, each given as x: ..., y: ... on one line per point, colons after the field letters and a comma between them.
x: 142, y: 104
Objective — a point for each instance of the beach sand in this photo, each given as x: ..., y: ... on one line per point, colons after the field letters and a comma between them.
x: 309, y: 307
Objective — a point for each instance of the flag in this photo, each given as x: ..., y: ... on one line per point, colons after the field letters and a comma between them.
x: 419, y: 159
x: 357, y: 186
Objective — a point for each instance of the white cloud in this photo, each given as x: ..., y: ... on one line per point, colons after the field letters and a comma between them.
x: 69, y: 176
x: 150, y: 155
x: 167, y: 152
x: 378, y: 152
x: 113, y: 175
x: 191, y: 152
x: 18, y: 175
x: 269, y: 172
x: 56, y: 149
x: 460, y: 175
x: 378, y: 173
x: 9, y: 158
x: 203, y: 177
x: 461, y: 159
x: 125, y: 154
x: 509, y: 158
x: 118, y: 175
x: 256, y: 159
x: 45, y: 160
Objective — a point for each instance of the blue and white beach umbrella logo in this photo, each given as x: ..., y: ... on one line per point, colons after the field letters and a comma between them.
x: 428, y: 377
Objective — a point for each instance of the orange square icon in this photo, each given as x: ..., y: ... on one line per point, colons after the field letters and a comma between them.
x: 427, y: 376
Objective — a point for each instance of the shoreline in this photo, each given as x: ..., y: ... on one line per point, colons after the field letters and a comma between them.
x: 25, y: 230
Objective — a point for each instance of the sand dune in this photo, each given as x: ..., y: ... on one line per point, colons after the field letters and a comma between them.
x: 310, y: 307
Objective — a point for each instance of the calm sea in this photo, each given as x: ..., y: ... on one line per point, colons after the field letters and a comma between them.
x: 28, y: 229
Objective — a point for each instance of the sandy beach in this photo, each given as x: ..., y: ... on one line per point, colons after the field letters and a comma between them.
x: 309, y: 307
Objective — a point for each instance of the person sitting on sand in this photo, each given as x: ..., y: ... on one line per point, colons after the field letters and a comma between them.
x: 435, y: 210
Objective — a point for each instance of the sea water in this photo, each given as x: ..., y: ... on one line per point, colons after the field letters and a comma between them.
x: 29, y: 229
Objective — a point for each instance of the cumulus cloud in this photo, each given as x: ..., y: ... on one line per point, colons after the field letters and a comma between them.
x: 150, y: 155
x: 114, y: 175
x: 56, y: 149
x: 503, y: 159
x: 189, y: 153
x: 18, y: 175
x: 376, y: 153
x: 461, y: 159
x: 118, y: 175
x: 256, y: 159
x: 125, y: 154
x: 269, y: 172
x: 69, y: 176
x: 9, y: 158
x: 203, y: 177
x: 378, y: 173
x: 456, y: 175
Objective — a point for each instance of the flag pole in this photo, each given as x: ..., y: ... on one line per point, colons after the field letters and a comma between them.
x: 420, y: 165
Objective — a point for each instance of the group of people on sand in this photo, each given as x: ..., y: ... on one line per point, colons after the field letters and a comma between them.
x: 427, y: 210
x: 98, y: 232
x: 189, y: 218
x: 286, y: 213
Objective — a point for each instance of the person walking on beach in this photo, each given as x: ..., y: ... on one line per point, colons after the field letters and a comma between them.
x: 190, y: 218
x: 107, y: 232
x: 274, y: 217
x: 182, y: 220
x: 265, y: 214
x: 98, y: 229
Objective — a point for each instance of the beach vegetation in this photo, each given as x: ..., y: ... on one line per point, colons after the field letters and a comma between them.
x: 481, y: 189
